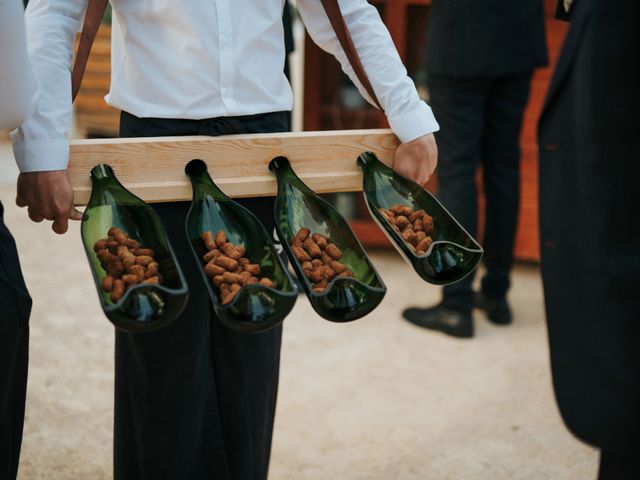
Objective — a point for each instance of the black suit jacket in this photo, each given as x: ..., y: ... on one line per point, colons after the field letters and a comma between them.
x: 589, y: 140
x: 481, y: 38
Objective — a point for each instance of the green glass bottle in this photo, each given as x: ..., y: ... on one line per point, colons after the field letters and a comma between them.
x: 255, y: 308
x: 454, y: 253
x: 143, y: 307
x: 296, y: 207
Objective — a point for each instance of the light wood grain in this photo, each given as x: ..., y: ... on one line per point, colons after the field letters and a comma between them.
x: 153, y: 168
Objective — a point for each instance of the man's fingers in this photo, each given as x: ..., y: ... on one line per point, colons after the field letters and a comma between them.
x: 426, y: 175
x: 24, y: 197
x: 412, y: 169
x: 48, y: 195
x: 60, y: 224
x: 61, y: 220
x: 35, y: 215
x: 20, y: 200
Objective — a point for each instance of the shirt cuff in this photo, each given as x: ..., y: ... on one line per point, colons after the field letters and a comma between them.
x: 40, y: 155
x: 413, y: 124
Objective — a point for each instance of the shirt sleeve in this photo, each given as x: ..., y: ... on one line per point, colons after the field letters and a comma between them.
x: 40, y: 143
x: 18, y: 86
x: 409, y: 117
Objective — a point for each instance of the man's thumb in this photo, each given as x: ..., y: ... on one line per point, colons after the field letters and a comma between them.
x: 75, y: 214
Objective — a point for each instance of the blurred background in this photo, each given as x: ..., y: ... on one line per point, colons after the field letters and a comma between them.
x: 378, y: 398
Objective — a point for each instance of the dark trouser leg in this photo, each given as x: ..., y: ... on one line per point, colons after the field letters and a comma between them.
x: 247, y: 366
x: 459, y: 106
x: 501, y: 160
x: 15, y: 304
x: 195, y: 400
x: 166, y: 415
x: 618, y: 467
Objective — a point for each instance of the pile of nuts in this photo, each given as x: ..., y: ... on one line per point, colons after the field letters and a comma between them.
x: 228, y: 268
x: 319, y: 258
x: 125, y: 262
x: 413, y: 227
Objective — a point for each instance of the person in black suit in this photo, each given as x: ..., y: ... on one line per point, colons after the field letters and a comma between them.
x: 590, y: 236
x: 18, y: 92
x: 480, y: 58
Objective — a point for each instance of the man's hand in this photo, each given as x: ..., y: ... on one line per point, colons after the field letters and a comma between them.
x: 48, y: 195
x: 417, y: 159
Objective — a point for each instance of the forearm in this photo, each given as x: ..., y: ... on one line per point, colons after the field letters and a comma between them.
x: 40, y: 144
x: 408, y: 116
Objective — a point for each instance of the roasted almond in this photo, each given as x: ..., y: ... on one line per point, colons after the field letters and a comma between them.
x: 107, y: 283
x: 229, y: 277
x: 300, y: 254
x: 252, y: 268
x: 226, y: 262
x: 301, y: 236
x: 221, y: 239
x: 144, y: 260
x: 312, y: 248
x: 320, y: 240
x: 212, y: 269
x: 129, y: 279
x: 266, y: 282
x: 333, y: 251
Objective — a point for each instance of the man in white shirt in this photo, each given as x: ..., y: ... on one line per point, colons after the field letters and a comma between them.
x: 196, y: 400
x: 18, y: 92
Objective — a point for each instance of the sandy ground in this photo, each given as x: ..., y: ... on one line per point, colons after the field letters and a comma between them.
x: 374, y: 399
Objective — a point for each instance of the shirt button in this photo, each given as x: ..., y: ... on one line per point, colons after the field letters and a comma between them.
x: 226, y: 39
x: 225, y: 92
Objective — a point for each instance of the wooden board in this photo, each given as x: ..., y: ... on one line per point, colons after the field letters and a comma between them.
x: 153, y: 168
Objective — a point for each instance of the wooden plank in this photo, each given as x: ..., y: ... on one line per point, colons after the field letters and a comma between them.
x: 153, y: 168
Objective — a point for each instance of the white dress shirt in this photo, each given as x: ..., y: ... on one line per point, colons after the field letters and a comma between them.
x: 18, y: 86
x: 200, y: 59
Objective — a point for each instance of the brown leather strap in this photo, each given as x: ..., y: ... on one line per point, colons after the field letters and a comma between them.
x: 95, y: 11
x: 96, y: 8
x: 332, y: 9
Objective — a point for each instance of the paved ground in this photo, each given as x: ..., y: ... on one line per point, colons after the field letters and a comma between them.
x: 375, y: 399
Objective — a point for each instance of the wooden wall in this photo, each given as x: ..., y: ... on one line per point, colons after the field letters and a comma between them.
x: 527, y: 238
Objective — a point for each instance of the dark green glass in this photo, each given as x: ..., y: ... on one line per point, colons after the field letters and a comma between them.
x: 454, y: 253
x: 255, y: 308
x: 297, y: 206
x: 145, y: 307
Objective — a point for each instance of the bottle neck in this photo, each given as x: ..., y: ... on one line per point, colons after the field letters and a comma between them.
x: 107, y: 189
x: 102, y: 176
x: 201, y: 182
x: 367, y: 161
x: 203, y: 186
x: 281, y: 168
x: 101, y: 172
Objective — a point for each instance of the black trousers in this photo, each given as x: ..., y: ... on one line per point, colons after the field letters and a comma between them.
x: 480, y: 121
x: 196, y: 400
x: 15, y: 307
x: 618, y: 467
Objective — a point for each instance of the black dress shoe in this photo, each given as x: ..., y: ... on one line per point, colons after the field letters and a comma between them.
x: 443, y: 319
x: 497, y: 310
